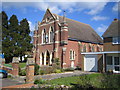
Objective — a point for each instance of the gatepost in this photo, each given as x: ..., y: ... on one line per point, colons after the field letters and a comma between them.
x: 30, y: 70
x: 15, y: 66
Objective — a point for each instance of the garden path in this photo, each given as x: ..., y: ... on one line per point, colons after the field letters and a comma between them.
x: 59, y: 75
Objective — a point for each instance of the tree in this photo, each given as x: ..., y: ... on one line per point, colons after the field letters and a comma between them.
x: 15, y: 39
x: 6, y: 44
x: 24, y: 41
x: 0, y: 32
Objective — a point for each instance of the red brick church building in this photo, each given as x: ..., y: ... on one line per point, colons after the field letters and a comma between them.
x: 64, y: 38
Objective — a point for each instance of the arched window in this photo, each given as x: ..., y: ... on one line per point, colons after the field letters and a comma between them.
x: 42, y: 59
x: 44, y: 36
x: 51, y: 34
x: 47, y: 58
x: 47, y: 38
x: 84, y: 48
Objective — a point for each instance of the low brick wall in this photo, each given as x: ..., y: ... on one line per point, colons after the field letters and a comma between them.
x: 8, y: 69
x: 18, y: 86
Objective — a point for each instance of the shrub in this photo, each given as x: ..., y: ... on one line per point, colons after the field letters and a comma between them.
x: 85, y: 81
x: 46, y: 70
x: 36, y: 69
x: 110, y: 81
x: 55, y: 66
x: 9, y: 76
x: 109, y: 72
x: 39, y: 81
x: 57, y: 71
x: 41, y: 72
x: 77, y: 68
x: 56, y: 60
x: 22, y: 72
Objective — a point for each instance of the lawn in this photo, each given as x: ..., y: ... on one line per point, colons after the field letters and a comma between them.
x: 22, y: 65
x: 95, y: 80
x: 71, y: 80
x: 8, y: 65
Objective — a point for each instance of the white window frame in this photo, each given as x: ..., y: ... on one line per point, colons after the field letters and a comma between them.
x: 117, y: 39
x: 72, y: 55
x: 43, y: 32
x: 113, y: 65
x: 47, y: 38
x: 50, y: 35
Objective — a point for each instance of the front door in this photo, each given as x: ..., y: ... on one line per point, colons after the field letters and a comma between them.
x: 117, y: 64
x: 72, y: 64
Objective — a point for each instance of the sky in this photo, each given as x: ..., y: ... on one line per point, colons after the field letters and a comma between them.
x: 99, y: 15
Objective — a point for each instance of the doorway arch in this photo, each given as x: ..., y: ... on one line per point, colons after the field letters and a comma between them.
x: 42, y: 59
x: 47, y: 58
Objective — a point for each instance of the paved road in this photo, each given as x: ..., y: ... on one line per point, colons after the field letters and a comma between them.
x: 8, y: 82
x: 59, y: 75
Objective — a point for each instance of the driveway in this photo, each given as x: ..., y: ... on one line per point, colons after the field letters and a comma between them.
x: 59, y: 75
x: 8, y: 82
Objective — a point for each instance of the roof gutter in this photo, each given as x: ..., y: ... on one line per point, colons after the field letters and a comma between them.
x: 106, y: 52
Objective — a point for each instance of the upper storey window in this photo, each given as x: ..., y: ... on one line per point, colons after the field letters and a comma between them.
x: 51, y: 34
x: 47, y: 38
x: 84, y: 48
x: 44, y: 36
x: 92, y: 48
x: 116, y: 40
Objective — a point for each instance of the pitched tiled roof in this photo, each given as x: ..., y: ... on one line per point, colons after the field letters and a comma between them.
x: 80, y: 31
x: 113, y: 30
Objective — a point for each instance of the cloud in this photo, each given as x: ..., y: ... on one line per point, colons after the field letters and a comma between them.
x: 102, y: 28
x: 31, y: 26
x: 96, y: 8
x: 59, y: 0
x: 91, y: 8
x: 115, y: 7
x: 97, y: 18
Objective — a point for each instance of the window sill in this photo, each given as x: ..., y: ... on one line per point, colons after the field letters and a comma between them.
x: 47, y: 43
x: 72, y: 59
x: 115, y: 43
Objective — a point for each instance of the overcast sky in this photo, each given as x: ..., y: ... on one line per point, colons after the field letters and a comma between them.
x: 98, y: 15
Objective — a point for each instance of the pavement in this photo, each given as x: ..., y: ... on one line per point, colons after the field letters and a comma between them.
x: 60, y: 75
x: 8, y: 82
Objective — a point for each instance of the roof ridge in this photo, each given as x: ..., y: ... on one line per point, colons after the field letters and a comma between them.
x: 72, y: 19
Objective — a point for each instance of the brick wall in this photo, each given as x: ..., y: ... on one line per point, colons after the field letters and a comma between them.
x: 14, y: 87
x: 109, y: 46
x: 8, y: 69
